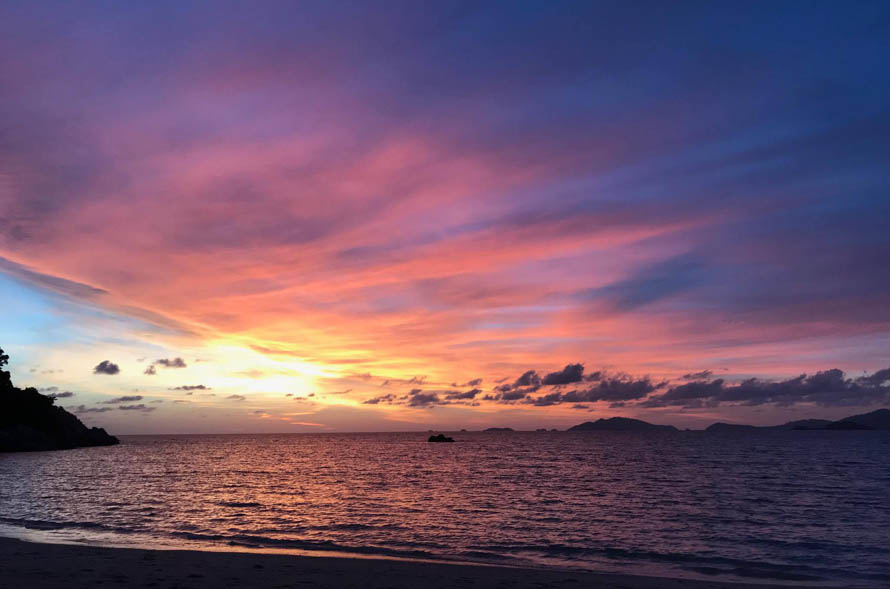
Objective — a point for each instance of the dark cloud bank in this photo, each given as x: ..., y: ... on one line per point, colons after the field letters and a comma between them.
x: 827, y: 388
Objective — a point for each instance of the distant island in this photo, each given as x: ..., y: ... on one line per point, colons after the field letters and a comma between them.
x: 499, y: 429
x: 876, y: 420
x: 30, y: 421
x: 619, y: 424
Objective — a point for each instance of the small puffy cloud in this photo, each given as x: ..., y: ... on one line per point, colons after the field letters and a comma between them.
x: 572, y: 373
x: 85, y: 409
x: 139, y: 407
x: 388, y: 399
x: 420, y: 399
x: 171, y: 362
x: 191, y: 387
x: 704, y: 374
x: 470, y: 383
x: 513, y: 395
x: 460, y: 396
x: 236, y: 397
x: 62, y: 395
x: 529, y: 379
x: 106, y: 367
x: 177, y: 362
x: 529, y: 382
x: 124, y: 399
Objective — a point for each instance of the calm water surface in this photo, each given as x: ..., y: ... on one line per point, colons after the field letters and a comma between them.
x: 803, y: 507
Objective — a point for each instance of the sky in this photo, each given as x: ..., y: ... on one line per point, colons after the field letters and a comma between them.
x: 336, y: 216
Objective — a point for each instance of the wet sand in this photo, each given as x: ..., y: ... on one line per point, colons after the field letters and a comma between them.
x: 28, y: 564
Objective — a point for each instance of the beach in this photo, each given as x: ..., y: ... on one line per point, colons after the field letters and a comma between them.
x: 28, y: 564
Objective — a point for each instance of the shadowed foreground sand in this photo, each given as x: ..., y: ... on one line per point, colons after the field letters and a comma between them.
x: 26, y: 564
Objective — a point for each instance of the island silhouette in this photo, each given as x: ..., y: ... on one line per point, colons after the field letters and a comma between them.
x: 876, y: 420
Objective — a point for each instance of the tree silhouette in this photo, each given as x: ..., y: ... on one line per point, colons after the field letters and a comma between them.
x: 5, y: 377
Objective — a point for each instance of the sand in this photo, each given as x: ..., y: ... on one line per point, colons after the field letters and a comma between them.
x: 27, y: 564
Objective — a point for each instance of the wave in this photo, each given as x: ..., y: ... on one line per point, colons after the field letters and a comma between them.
x: 239, y: 504
x: 567, y: 555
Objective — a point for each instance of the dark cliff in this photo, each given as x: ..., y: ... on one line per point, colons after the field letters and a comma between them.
x: 30, y: 421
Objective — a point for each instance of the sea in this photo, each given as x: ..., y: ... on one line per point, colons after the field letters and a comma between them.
x: 797, y: 507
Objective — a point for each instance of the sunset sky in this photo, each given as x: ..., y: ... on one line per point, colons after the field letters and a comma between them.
x: 348, y: 217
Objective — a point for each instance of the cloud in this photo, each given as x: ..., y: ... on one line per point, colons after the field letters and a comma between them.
x: 513, y: 395
x: 613, y: 388
x: 124, y: 399
x: 527, y: 383
x: 236, y: 397
x: 419, y: 399
x: 177, y: 362
x: 106, y: 367
x: 652, y: 283
x: 457, y: 395
x: 529, y: 380
x: 570, y: 374
x: 191, y: 387
x: 139, y: 407
x: 878, y: 378
x: 470, y: 383
x: 619, y: 388
x: 826, y: 388
x: 171, y: 362
x: 85, y: 409
x: 62, y: 286
x: 698, y: 375
x: 388, y: 399
x: 62, y: 395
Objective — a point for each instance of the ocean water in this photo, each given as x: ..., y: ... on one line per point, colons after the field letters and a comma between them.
x: 798, y: 507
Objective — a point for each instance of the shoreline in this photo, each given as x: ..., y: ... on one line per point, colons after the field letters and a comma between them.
x: 23, y: 564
